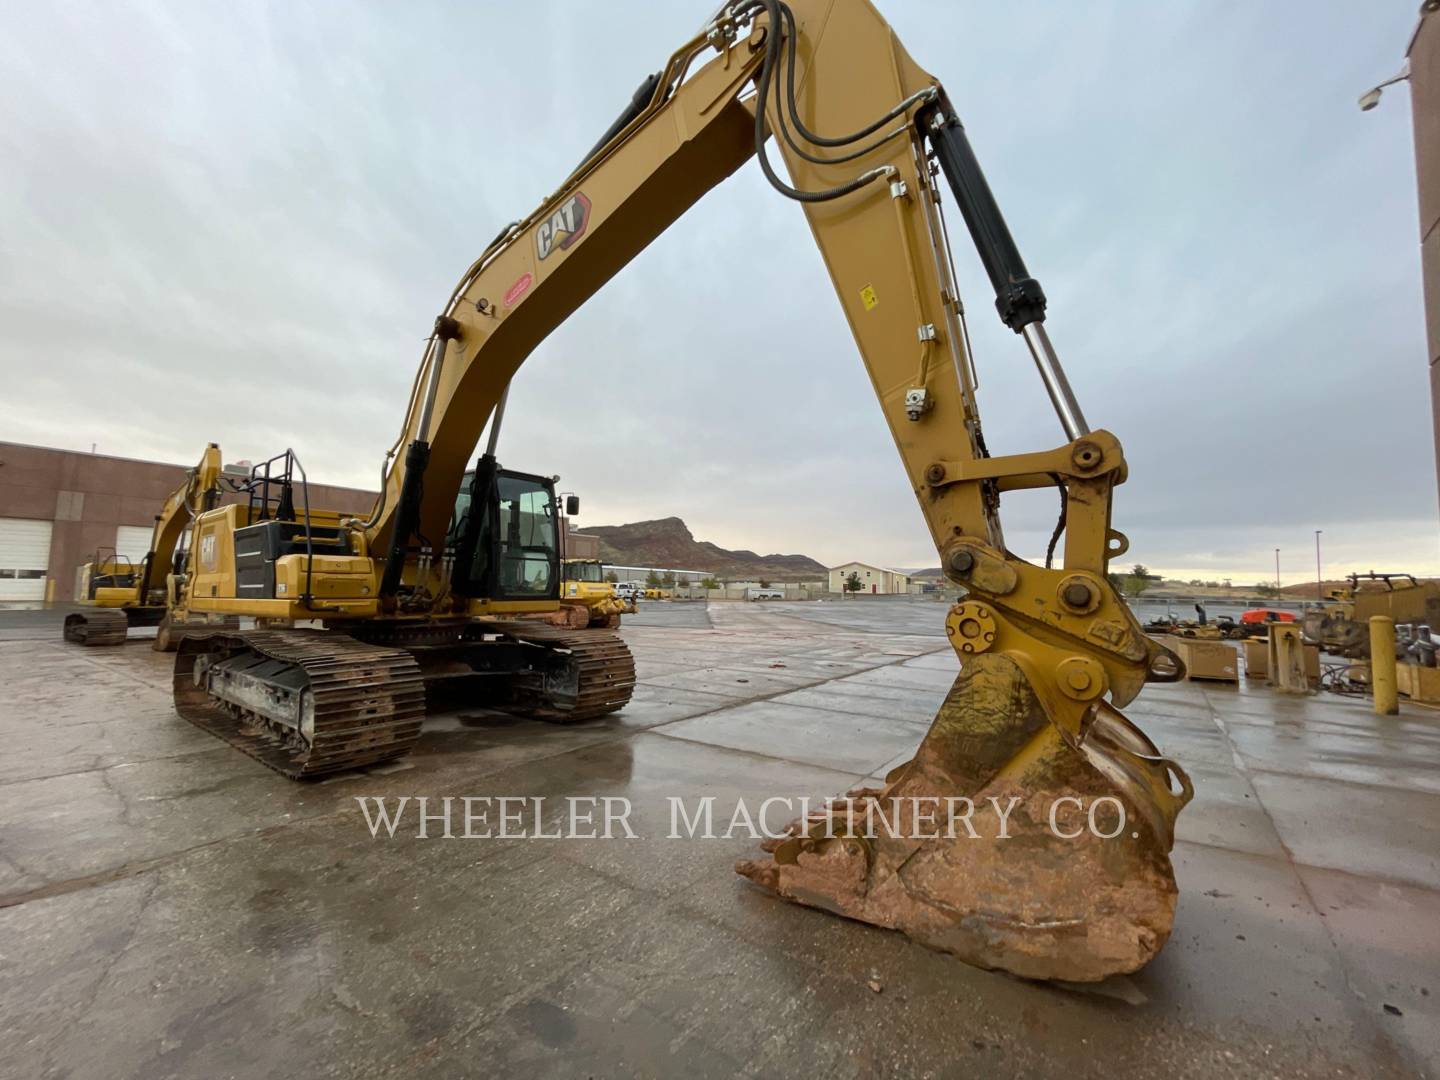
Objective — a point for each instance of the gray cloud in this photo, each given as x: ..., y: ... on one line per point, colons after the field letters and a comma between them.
x: 236, y: 222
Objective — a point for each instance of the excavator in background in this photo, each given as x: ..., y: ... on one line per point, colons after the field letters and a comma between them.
x: 119, y: 595
x: 1344, y: 629
x: 1049, y: 653
x: 106, y: 582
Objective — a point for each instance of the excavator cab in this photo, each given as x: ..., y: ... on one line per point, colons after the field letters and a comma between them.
x: 105, y: 571
x: 504, y: 536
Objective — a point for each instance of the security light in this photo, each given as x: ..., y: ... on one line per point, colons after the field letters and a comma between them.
x: 1371, y: 97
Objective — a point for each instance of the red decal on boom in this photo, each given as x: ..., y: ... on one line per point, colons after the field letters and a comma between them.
x: 520, y: 288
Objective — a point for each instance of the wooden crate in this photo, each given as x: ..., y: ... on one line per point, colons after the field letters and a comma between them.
x: 1418, y: 683
x: 1217, y: 661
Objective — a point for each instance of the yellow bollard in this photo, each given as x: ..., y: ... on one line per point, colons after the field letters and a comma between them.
x: 1382, y: 665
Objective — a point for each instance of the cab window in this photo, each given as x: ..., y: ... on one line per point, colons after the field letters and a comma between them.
x: 527, y: 538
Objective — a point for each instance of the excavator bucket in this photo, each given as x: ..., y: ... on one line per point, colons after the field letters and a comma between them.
x: 1007, y: 840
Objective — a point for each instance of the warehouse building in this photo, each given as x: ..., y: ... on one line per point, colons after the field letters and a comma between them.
x: 57, y: 507
x: 873, y: 579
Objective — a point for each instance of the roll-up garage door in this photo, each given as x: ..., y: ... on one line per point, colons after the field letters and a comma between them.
x: 24, y: 558
x: 132, y: 542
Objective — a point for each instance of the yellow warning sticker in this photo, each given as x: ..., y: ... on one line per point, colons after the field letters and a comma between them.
x: 868, y: 297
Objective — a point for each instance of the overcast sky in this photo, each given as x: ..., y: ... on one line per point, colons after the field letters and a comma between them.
x: 235, y: 222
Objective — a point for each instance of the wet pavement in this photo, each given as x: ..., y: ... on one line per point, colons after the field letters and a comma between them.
x: 168, y: 907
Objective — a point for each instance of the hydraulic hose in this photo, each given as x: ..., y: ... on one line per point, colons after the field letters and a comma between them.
x: 767, y: 72
x: 787, y: 17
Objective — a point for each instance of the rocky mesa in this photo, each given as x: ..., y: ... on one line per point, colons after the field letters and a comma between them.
x: 668, y: 542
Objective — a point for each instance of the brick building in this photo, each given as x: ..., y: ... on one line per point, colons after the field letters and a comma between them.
x: 58, y: 506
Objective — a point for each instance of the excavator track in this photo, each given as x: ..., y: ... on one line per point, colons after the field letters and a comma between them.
x: 101, y: 626
x: 598, y: 679
x: 363, y: 704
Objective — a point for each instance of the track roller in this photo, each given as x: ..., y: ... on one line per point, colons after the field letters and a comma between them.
x: 304, y: 702
x: 590, y: 674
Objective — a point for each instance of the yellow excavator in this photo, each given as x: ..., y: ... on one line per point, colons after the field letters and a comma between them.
x: 1049, y: 653
x: 119, y: 595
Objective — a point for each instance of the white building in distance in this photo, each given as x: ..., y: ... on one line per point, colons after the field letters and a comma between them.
x: 873, y: 579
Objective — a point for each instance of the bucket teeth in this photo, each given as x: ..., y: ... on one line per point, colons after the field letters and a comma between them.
x: 1006, y: 841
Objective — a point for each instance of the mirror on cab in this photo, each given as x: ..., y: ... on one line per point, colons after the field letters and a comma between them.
x: 572, y: 504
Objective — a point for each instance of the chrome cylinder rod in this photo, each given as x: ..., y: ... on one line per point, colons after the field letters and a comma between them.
x: 432, y: 387
x: 495, y: 422
x: 1056, y: 385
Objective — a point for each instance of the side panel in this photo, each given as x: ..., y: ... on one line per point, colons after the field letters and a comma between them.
x: 212, y: 556
x: 268, y: 578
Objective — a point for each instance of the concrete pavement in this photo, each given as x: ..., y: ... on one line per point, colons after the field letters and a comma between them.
x: 168, y: 907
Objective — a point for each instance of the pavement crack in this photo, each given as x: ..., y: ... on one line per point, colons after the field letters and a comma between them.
x: 115, y: 669
x: 96, y: 765
x: 122, y: 871
x: 116, y: 955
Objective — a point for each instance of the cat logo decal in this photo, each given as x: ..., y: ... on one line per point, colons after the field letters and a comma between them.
x: 565, y: 226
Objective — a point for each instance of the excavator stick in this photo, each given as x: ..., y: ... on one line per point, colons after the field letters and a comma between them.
x: 973, y: 846
x: 1005, y: 841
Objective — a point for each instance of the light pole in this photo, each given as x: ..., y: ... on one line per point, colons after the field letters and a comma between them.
x: 1277, y: 570
x: 1371, y: 97
x: 1319, y: 577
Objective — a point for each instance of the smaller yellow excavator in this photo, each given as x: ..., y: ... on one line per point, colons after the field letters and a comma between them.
x: 118, y: 595
x: 107, y: 584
